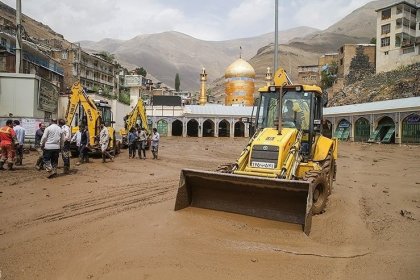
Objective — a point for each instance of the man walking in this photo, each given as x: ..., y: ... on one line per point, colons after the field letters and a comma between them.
x: 142, y: 143
x: 38, y: 135
x: 20, y: 135
x: 8, y: 141
x: 155, y: 143
x: 104, y: 142
x: 83, y: 144
x: 52, y: 142
x: 65, y: 152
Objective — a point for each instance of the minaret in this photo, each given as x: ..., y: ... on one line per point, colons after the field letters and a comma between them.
x: 203, y: 80
x: 268, y: 77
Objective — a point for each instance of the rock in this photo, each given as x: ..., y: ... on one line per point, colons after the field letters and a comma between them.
x: 152, y: 174
x: 385, y: 191
x: 254, y: 260
x: 407, y: 214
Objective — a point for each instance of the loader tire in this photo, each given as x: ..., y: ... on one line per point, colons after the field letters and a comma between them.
x: 329, y: 169
x: 320, y: 190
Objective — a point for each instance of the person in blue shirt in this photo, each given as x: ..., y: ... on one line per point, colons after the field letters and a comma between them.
x: 132, y: 138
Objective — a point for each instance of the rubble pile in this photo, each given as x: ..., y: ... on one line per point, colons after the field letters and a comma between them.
x: 401, y: 83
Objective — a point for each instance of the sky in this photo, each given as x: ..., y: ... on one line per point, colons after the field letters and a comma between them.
x: 211, y: 20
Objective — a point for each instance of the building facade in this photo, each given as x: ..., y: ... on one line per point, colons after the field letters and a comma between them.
x: 93, y: 71
x: 309, y: 75
x: 397, y: 36
x: 348, y: 51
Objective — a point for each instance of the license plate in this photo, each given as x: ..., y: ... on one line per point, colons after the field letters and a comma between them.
x: 259, y: 164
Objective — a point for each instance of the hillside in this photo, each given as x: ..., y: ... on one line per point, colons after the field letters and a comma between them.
x: 401, y: 83
x: 167, y: 53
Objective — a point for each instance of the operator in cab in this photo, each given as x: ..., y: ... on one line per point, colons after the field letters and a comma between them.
x: 296, y: 114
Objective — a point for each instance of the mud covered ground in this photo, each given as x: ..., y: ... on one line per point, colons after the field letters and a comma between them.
x: 116, y: 221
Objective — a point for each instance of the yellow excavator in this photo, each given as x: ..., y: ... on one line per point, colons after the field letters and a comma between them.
x: 90, y: 113
x: 138, y: 117
x: 287, y: 169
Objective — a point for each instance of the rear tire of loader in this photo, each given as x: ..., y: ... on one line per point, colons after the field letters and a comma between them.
x: 320, y: 190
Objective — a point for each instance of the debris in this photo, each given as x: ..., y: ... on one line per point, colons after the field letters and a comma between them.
x: 374, y: 185
x: 152, y: 174
x: 385, y: 191
x: 375, y: 160
x: 254, y: 260
x: 90, y: 276
x: 407, y: 214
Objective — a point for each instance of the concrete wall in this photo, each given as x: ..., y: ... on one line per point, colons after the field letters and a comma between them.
x: 19, y: 96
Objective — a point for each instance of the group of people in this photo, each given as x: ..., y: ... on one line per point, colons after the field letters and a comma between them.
x: 12, y: 137
x: 138, y: 140
x: 56, y: 138
x: 49, y: 142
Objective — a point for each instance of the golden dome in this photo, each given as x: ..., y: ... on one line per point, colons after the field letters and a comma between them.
x: 240, y: 68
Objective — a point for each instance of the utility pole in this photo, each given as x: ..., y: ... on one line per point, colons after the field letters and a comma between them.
x: 276, y: 36
x: 18, y: 35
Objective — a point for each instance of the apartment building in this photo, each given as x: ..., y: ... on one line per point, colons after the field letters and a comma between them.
x: 309, y: 75
x: 94, y: 72
x: 34, y: 61
x: 397, y: 36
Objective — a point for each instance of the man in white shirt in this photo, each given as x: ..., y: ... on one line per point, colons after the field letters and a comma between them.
x: 155, y: 143
x: 65, y: 152
x: 20, y: 135
x: 104, y: 142
x: 52, y: 142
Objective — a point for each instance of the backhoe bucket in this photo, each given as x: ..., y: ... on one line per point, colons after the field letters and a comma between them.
x: 268, y: 198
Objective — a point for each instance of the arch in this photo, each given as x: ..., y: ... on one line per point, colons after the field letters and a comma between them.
x: 342, y: 132
x: 361, y: 130
x: 239, y: 129
x: 177, y: 128
x: 411, y: 129
x: 162, y: 127
x: 224, y: 128
x: 384, y: 131
x: 327, y: 128
x: 192, y: 128
x: 208, y: 128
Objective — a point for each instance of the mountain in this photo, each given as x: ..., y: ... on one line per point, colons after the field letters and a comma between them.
x: 357, y: 27
x: 165, y: 54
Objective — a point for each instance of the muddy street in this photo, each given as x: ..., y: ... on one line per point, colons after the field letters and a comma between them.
x: 116, y: 221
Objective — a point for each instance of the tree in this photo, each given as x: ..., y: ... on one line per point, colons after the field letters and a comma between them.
x: 373, y: 40
x: 360, y: 67
x: 177, y: 82
x: 328, y: 75
x: 140, y: 71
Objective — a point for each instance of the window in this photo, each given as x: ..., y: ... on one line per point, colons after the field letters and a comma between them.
x: 385, y: 42
x: 386, y: 14
x: 408, y: 50
x: 341, y: 61
x: 64, y: 55
x: 386, y: 53
x: 4, y: 42
x: 399, y: 9
x: 385, y: 29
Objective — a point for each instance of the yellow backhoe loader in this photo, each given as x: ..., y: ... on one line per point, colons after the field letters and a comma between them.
x: 287, y: 169
x: 138, y: 117
x: 91, y: 113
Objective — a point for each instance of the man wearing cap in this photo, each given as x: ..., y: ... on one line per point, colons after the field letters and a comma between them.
x: 52, y: 142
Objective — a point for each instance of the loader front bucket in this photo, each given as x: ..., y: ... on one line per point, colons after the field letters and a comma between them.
x: 268, y: 198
